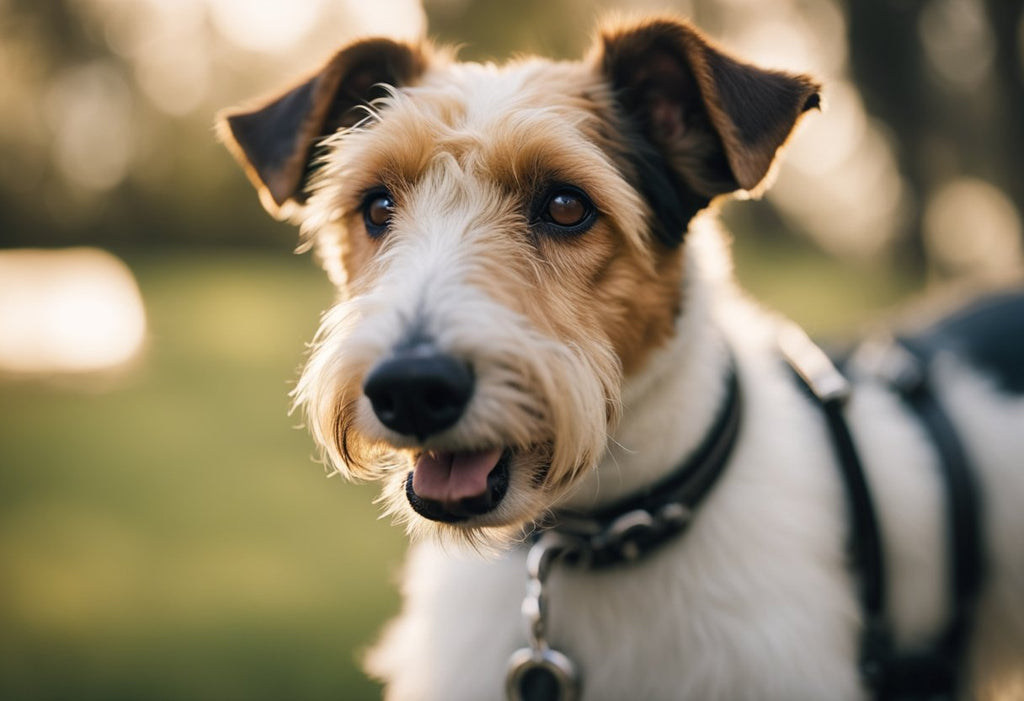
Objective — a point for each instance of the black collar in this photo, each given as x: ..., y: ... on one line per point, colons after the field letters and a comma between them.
x: 636, y: 525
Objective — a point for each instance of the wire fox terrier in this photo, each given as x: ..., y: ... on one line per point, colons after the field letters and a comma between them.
x: 539, y: 350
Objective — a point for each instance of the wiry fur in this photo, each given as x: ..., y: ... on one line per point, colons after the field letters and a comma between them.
x: 456, y: 262
x: 599, y: 361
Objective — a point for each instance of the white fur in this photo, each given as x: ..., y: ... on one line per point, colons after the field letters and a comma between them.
x: 756, y: 600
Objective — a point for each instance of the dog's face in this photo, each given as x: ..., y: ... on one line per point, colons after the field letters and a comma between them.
x: 507, y: 246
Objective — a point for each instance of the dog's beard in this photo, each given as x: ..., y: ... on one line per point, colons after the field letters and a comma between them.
x: 547, y: 404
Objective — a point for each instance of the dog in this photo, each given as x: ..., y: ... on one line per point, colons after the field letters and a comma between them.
x: 618, y: 485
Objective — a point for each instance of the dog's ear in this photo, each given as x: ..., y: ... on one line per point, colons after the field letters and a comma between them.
x: 276, y: 142
x: 717, y: 120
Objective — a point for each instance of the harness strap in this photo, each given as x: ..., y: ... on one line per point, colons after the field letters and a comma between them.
x: 934, y: 671
x: 906, y: 370
x: 824, y: 384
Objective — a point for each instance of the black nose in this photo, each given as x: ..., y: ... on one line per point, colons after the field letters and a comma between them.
x: 419, y: 392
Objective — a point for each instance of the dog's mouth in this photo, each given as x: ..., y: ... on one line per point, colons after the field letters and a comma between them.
x: 454, y: 486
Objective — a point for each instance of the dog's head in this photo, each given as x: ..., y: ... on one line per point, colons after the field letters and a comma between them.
x: 507, y: 246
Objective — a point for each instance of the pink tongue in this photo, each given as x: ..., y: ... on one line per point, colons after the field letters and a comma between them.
x: 449, y: 478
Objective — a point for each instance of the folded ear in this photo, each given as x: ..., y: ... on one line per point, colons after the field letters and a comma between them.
x: 717, y: 120
x: 276, y: 142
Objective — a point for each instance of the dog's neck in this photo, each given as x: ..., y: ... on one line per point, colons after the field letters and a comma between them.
x: 671, y: 403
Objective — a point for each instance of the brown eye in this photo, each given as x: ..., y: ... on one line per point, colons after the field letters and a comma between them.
x: 567, y: 210
x: 377, y: 211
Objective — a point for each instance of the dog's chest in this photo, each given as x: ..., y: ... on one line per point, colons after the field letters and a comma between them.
x: 698, y: 619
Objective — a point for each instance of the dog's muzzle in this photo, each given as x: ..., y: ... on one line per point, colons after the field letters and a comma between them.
x: 420, y: 392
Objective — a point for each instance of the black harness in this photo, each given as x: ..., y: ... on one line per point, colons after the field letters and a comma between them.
x: 636, y: 526
x: 934, y: 671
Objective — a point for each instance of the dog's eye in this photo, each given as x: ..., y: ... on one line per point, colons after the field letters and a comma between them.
x: 567, y: 210
x: 378, y: 208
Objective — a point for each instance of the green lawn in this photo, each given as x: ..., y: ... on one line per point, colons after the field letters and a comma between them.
x: 164, y: 534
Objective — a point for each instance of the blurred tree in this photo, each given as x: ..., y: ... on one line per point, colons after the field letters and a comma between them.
x: 178, y: 186
x: 1007, y: 18
x: 496, y: 29
x: 947, y: 77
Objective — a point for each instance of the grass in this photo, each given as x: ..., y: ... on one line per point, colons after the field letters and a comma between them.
x: 164, y: 534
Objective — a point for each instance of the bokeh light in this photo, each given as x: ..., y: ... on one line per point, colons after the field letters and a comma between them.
x: 172, y: 61
x: 958, y: 41
x: 89, y: 108
x: 67, y: 311
x: 265, y: 25
x: 973, y: 230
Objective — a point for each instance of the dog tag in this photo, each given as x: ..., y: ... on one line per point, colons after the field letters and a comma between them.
x: 541, y: 675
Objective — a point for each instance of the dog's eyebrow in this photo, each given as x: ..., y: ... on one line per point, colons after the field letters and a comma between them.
x: 524, y: 163
x: 384, y: 156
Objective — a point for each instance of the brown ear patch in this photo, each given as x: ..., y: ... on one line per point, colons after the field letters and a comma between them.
x: 718, y: 121
x: 275, y: 143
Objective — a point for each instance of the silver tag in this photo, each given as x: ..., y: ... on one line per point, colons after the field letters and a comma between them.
x: 541, y: 675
